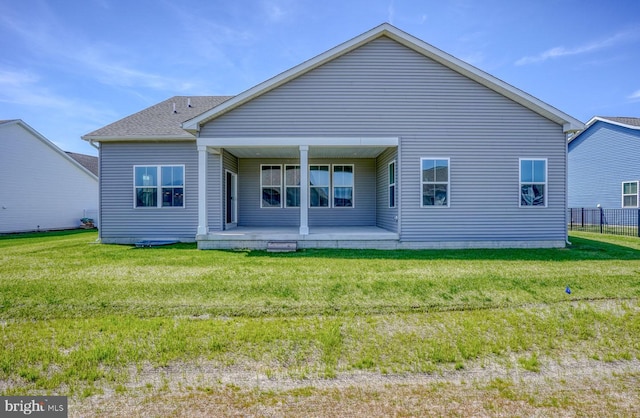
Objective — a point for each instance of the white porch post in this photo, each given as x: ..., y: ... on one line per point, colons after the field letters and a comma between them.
x: 304, y: 189
x: 203, y: 227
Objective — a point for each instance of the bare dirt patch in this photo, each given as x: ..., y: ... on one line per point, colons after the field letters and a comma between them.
x: 559, y: 389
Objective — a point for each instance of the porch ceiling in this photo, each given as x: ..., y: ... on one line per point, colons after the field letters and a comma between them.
x: 314, y: 152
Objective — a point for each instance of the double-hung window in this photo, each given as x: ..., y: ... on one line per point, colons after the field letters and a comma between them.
x: 533, y: 182
x: 630, y: 194
x: 343, y: 186
x: 319, y: 186
x: 292, y: 186
x: 158, y: 186
x: 435, y: 181
x: 392, y: 184
x: 271, y: 185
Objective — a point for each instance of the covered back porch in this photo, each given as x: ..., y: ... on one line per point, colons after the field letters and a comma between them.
x: 315, y: 192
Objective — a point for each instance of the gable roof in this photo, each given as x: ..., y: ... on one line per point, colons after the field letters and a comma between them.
x: 87, y: 161
x: 50, y: 144
x: 627, y: 122
x: 569, y: 123
x: 624, y: 121
x: 160, y: 121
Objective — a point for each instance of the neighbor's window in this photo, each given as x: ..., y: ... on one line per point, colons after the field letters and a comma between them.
x: 435, y: 181
x: 630, y: 194
x: 292, y: 186
x: 533, y: 182
x: 271, y: 186
x: 392, y: 184
x: 343, y: 186
x: 159, y: 186
x: 319, y: 186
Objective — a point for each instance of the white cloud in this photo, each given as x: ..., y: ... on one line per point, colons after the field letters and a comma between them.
x: 275, y: 12
x: 635, y: 95
x: 391, y: 12
x: 561, y: 51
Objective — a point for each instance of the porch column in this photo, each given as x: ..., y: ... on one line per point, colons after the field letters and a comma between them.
x: 203, y: 227
x: 304, y: 189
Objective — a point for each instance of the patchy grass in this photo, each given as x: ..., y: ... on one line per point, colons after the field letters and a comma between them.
x: 87, y: 320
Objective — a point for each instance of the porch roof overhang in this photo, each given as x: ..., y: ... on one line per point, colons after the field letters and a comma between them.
x: 289, y: 147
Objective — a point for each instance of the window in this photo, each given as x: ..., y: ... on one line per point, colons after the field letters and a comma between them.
x: 343, y: 186
x: 271, y: 186
x: 159, y: 186
x: 392, y: 184
x: 630, y: 194
x: 533, y: 182
x: 319, y: 186
x: 292, y: 186
x: 435, y: 181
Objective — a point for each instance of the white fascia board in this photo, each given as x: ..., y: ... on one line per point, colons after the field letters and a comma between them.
x: 599, y: 119
x: 297, y: 141
x: 193, y: 125
x: 145, y: 138
x: 569, y: 123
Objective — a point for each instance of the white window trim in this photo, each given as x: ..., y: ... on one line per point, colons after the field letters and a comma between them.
x: 328, y: 185
x: 159, y: 187
x: 353, y: 186
x: 545, y: 183
x: 286, y: 186
x: 393, y: 205
x: 637, y: 182
x: 262, y: 186
x: 448, y: 182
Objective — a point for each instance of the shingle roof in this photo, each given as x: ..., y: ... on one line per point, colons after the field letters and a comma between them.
x: 624, y: 120
x: 627, y: 122
x: 87, y: 161
x: 159, y: 120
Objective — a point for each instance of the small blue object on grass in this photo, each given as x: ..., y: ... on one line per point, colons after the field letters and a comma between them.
x: 567, y: 290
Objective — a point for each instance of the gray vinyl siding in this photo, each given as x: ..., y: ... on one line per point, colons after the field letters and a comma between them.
x: 386, y: 216
x: 386, y: 89
x: 120, y: 222
x: 600, y: 159
x: 251, y: 214
x: 215, y: 192
x: 484, y: 188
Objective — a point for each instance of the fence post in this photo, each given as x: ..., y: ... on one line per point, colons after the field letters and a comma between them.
x: 571, y: 219
x: 638, y: 223
x: 582, y: 218
x: 601, y: 220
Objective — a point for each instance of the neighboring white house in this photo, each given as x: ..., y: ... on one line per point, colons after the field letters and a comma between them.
x: 41, y: 186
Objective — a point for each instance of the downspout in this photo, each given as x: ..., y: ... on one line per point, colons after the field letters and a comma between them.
x: 93, y: 144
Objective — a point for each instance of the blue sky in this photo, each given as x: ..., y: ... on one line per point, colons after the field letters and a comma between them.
x: 68, y: 67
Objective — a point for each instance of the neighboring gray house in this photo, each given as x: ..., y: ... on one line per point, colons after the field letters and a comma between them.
x: 41, y: 186
x: 381, y: 142
x: 604, y: 164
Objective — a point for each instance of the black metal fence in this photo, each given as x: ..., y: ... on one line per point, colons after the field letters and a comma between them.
x: 605, y: 221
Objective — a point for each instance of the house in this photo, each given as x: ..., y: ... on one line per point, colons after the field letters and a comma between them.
x: 381, y: 142
x: 43, y: 188
x: 604, y: 164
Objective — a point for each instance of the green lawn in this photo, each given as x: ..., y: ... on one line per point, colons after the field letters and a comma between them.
x: 83, y: 319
